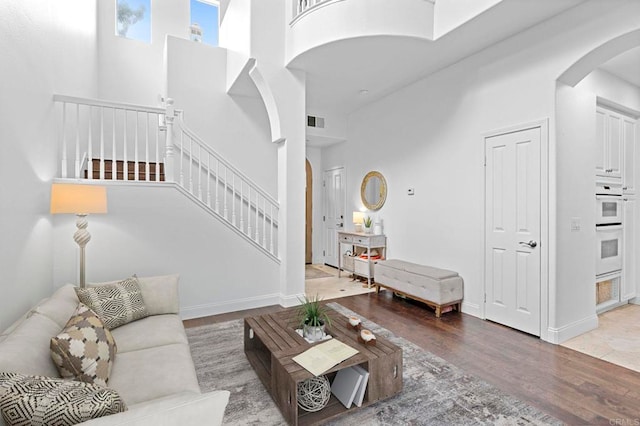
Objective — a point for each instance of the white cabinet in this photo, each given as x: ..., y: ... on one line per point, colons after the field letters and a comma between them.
x: 629, y: 127
x: 630, y: 254
x: 608, y: 143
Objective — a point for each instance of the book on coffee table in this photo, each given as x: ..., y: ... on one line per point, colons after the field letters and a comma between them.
x: 346, y: 385
x: 323, y: 356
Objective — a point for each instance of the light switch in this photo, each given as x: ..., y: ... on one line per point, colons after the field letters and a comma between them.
x: 575, y: 224
x: 411, y: 191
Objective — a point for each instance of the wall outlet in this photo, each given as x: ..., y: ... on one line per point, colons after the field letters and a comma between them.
x: 575, y: 224
x: 411, y: 191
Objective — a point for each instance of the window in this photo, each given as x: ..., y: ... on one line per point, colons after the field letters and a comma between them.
x: 204, y: 21
x: 133, y: 19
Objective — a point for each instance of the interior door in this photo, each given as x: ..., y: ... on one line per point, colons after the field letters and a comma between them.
x: 512, y: 251
x: 334, y: 206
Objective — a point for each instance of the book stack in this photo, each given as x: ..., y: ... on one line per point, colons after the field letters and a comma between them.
x: 350, y: 385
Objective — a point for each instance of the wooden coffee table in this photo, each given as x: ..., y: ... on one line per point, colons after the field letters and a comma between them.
x: 270, y: 343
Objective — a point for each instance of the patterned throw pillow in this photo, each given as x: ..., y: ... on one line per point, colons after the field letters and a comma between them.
x: 85, y: 348
x: 116, y: 304
x: 45, y: 401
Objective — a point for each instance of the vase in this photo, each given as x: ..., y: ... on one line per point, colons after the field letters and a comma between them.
x: 313, y: 333
x: 367, y: 230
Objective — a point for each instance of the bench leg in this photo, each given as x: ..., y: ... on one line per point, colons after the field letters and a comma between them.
x: 438, y: 311
x: 377, y: 289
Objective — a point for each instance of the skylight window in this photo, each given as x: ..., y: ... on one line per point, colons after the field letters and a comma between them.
x: 205, y: 21
x: 133, y: 19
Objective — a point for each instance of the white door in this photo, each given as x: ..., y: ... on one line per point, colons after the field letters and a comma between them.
x: 512, y: 251
x: 334, y: 206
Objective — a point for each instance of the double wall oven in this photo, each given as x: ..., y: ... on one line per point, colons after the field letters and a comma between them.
x: 609, y: 233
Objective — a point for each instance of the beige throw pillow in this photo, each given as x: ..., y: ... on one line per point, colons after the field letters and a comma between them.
x: 45, y: 401
x: 116, y: 304
x: 85, y: 349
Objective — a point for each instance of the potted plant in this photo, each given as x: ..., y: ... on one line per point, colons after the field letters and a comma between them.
x: 314, y: 318
x: 367, y: 224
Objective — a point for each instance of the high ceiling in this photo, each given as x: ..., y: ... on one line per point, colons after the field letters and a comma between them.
x: 337, y: 73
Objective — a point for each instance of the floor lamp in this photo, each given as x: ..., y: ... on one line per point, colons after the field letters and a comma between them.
x: 80, y: 200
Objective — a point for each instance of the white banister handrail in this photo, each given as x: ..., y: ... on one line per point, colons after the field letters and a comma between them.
x: 225, y: 163
x: 107, y: 104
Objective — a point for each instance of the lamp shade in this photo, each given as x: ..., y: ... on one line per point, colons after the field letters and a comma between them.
x: 358, y: 217
x: 78, y: 199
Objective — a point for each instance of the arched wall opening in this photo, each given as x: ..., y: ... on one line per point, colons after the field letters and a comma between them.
x: 574, y: 155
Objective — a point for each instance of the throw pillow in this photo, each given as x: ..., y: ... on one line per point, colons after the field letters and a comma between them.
x: 85, y: 348
x: 116, y: 304
x: 44, y: 401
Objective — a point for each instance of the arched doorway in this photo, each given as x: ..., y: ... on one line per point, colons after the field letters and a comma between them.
x: 308, y: 256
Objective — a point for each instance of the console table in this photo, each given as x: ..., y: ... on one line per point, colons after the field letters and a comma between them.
x: 364, y: 242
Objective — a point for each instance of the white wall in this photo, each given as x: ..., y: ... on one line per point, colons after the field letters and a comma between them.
x: 155, y: 230
x: 449, y: 14
x: 34, y: 36
x: 237, y: 127
x: 612, y: 88
x: 428, y: 136
x: 131, y: 70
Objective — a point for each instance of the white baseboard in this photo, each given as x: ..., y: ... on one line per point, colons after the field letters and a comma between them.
x: 569, y: 331
x: 290, y: 300
x: 199, y: 311
x: 472, y: 309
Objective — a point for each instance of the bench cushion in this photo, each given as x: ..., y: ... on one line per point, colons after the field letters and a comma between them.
x: 414, y: 268
x: 442, y: 287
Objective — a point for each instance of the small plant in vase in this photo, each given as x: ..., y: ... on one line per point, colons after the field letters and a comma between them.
x: 367, y: 224
x: 314, y: 317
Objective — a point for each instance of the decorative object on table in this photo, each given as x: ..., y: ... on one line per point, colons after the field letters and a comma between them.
x: 367, y: 224
x: 377, y: 227
x: 373, y: 191
x: 314, y: 393
x: 358, y: 219
x: 367, y: 337
x: 314, y: 318
x: 80, y: 200
x: 355, y: 322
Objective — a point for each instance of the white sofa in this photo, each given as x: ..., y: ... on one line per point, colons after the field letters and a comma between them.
x: 153, y: 370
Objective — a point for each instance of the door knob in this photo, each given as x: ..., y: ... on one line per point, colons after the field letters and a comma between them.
x: 529, y: 243
x: 340, y: 225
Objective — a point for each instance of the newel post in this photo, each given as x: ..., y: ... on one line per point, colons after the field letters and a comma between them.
x: 169, y: 156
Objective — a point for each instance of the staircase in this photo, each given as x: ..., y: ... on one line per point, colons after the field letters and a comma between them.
x: 154, y: 145
x: 135, y: 171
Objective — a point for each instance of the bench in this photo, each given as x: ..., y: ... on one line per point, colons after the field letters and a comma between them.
x: 438, y: 288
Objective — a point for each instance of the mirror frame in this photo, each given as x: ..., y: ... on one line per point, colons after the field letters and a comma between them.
x: 383, y: 190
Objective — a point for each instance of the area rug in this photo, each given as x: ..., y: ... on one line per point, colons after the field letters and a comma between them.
x: 311, y: 273
x: 434, y: 393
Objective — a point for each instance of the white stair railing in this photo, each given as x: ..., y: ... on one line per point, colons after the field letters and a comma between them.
x: 126, y: 142
x: 224, y: 189
x: 108, y: 133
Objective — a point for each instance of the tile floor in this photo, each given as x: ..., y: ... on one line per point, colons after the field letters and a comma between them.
x: 617, y: 338
x: 333, y: 287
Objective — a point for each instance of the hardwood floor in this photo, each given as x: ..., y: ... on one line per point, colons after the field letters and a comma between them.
x: 573, y: 387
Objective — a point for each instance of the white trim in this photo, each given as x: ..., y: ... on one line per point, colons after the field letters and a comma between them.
x: 288, y: 301
x: 199, y: 311
x: 569, y: 331
x: 547, y: 297
x: 474, y: 309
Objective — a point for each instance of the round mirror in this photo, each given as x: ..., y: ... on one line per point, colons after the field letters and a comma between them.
x: 373, y: 190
